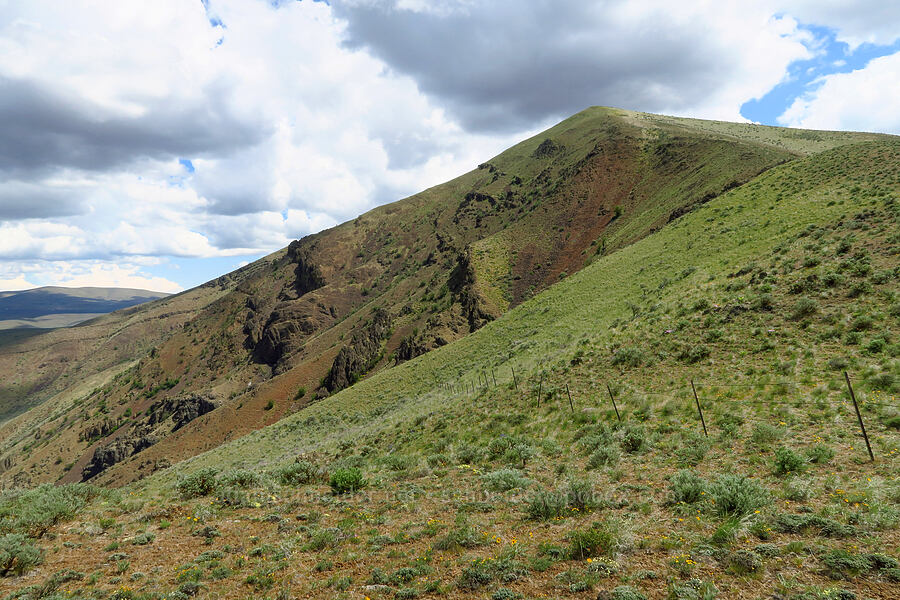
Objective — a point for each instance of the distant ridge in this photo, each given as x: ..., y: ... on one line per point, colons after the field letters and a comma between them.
x: 47, y: 307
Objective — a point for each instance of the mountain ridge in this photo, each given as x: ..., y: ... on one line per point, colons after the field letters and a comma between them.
x: 299, y: 319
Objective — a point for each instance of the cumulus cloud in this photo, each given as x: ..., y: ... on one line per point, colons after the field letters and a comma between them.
x: 857, y: 22
x: 501, y: 66
x: 229, y: 127
x: 861, y: 100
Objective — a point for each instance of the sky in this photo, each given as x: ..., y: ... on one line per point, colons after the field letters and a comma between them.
x: 161, y: 144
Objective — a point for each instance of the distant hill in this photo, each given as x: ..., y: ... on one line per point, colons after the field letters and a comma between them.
x: 49, y: 307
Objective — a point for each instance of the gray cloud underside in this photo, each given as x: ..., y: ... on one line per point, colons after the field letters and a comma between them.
x: 44, y: 131
x: 505, y: 68
x: 24, y: 200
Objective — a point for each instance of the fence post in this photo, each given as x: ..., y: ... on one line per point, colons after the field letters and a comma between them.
x: 859, y: 417
x: 613, y: 398
x: 540, y: 389
x: 699, y: 410
x: 571, y: 406
x: 515, y: 381
x: 494, y: 376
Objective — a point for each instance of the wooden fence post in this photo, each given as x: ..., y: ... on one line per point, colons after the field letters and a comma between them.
x: 515, y: 381
x: 571, y: 406
x: 859, y: 417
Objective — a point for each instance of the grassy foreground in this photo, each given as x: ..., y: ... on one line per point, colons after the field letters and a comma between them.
x: 448, y: 477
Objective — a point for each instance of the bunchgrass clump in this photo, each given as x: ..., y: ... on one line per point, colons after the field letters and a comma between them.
x: 600, y: 539
x: 346, y: 480
x: 545, y: 505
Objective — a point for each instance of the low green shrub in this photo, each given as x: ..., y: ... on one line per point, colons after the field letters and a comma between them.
x: 504, y: 480
x: 788, y: 461
x: 300, y: 472
x: 242, y: 478
x: 600, y: 539
x: 346, y: 480
x: 199, y: 483
x: 819, y: 454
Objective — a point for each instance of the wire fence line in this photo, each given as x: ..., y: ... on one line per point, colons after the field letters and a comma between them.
x: 535, y: 386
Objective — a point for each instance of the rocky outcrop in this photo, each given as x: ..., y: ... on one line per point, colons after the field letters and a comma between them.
x: 275, y: 332
x: 410, y: 347
x: 462, y: 285
x: 116, y: 451
x: 364, y: 351
x: 546, y: 149
x: 307, y: 276
x: 182, y: 409
x: 282, y: 332
x: 99, y: 430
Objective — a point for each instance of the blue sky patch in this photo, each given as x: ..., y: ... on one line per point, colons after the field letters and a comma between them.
x: 805, y: 76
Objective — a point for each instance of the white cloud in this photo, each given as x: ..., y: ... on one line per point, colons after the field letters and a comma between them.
x: 295, y: 118
x: 857, y: 22
x: 82, y: 274
x: 862, y: 100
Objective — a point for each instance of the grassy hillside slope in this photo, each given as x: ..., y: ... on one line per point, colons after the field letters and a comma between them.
x: 474, y: 482
x: 397, y: 282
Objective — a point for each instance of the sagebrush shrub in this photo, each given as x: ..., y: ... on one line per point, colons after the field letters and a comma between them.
x: 545, y: 505
x: 34, y: 511
x: 467, y: 454
x: 504, y: 480
x: 242, y: 478
x: 737, y: 495
x: 804, y: 307
x: 764, y: 434
x: 692, y: 451
x: 300, y: 472
x: 686, y: 487
x: 630, y: 357
x: 634, y: 439
x: 604, y: 456
x: 17, y: 554
x: 199, y: 483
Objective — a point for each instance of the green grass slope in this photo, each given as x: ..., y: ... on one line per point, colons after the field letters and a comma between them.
x: 474, y: 484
